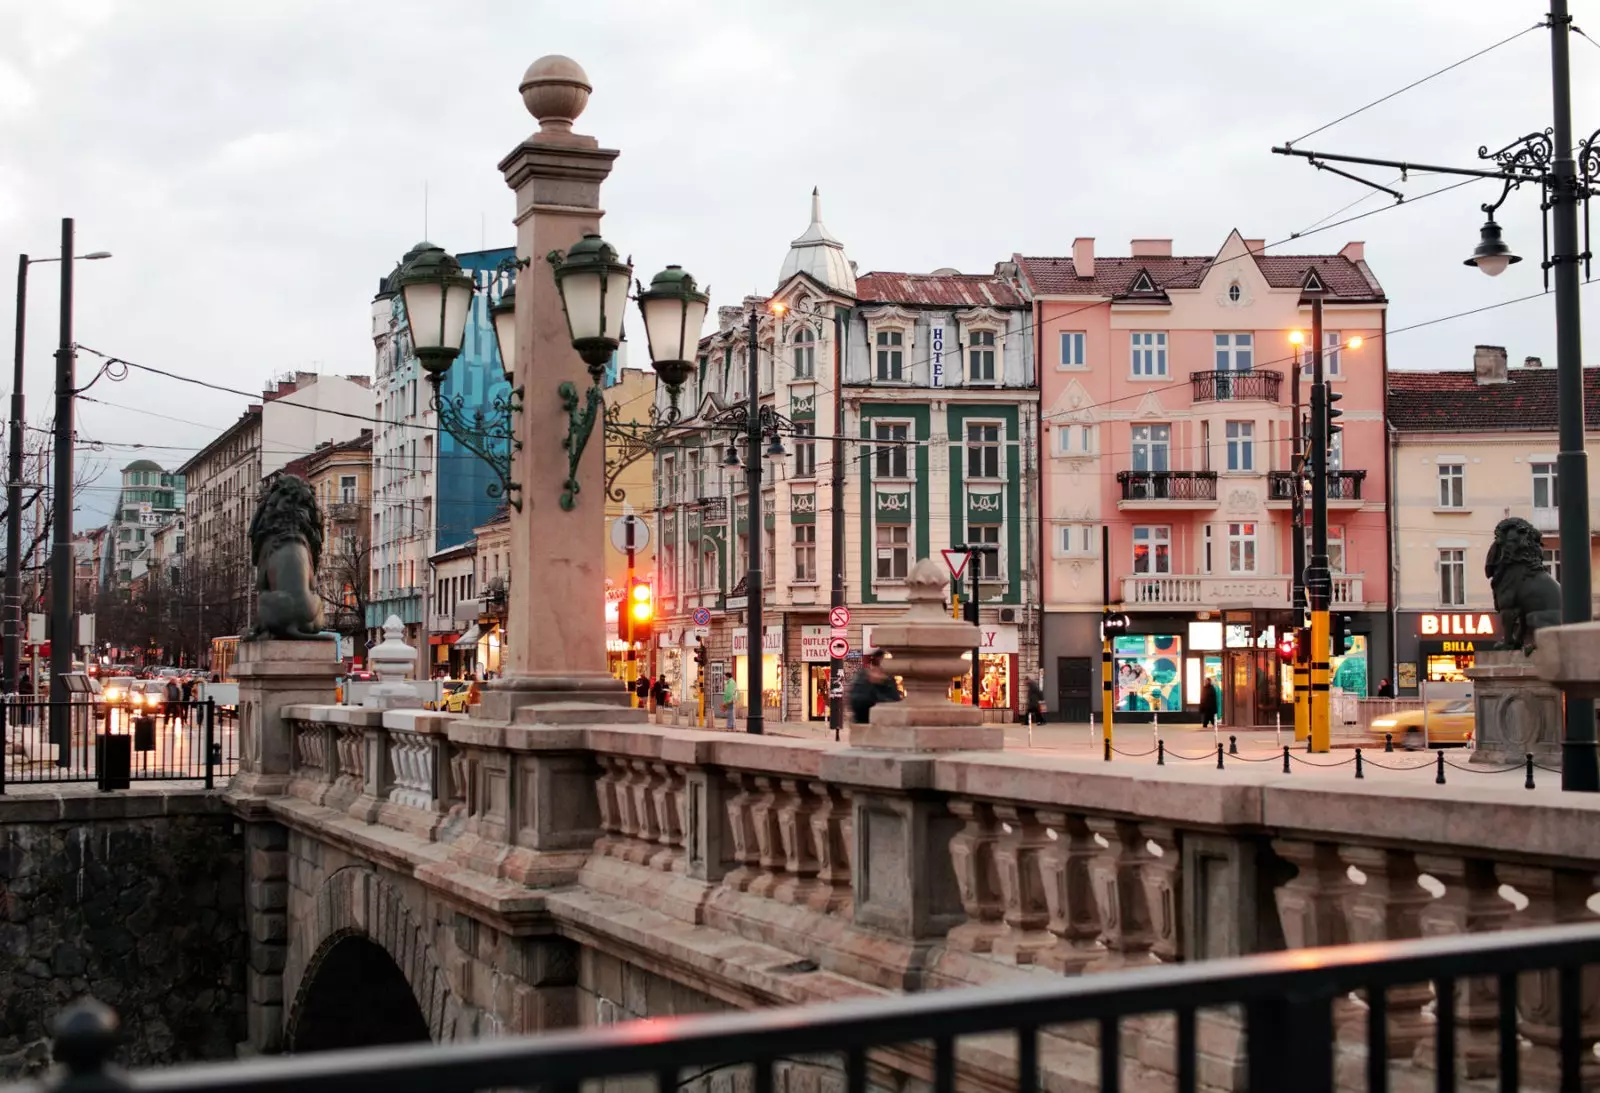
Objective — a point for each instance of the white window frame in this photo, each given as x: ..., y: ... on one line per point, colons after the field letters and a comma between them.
x: 1452, y: 561
x: 1075, y: 349
x: 1241, y: 444
x: 892, y: 552
x: 1207, y: 540
x: 1244, y: 555
x: 989, y: 563
x: 1452, y: 486
x: 1148, y: 445
x: 1332, y: 351
x: 1085, y: 435
x: 805, y: 553
x: 888, y: 343
x: 989, y: 352
x: 1148, y: 354
x: 984, y: 447
x: 899, y: 449
x: 805, y: 449
x: 1544, y: 475
x: 1156, y: 561
x: 803, y: 353
x: 1232, y: 349
x: 1552, y: 559
x: 1078, y: 541
x: 347, y: 489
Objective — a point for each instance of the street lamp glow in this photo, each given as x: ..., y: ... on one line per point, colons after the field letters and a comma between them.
x: 1355, y: 342
x: 778, y: 307
x: 674, y: 310
x: 437, y: 295
x: 593, y: 282
x: 1491, y: 255
x: 1297, y: 337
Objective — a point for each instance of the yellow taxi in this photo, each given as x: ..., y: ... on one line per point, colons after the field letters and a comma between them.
x: 455, y: 698
x: 1449, y: 722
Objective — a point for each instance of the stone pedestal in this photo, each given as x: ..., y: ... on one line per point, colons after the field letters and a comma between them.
x: 1517, y: 711
x: 273, y: 675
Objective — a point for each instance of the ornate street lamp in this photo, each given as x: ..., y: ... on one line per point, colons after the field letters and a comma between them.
x: 1491, y: 254
x: 437, y: 295
x: 674, y: 310
x: 593, y: 282
x: 503, y: 312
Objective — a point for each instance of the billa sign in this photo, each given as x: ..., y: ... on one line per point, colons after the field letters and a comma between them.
x: 1457, y: 624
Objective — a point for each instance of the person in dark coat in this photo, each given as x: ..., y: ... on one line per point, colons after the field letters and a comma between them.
x: 658, y: 692
x: 641, y: 688
x: 871, y: 686
x: 1034, y: 704
x: 1210, y: 704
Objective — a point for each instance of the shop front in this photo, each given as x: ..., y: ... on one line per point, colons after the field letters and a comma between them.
x: 1160, y: 669
x: 669, y: 663
x: 1439, y: 646
x: 440, y: 648
x: 997, y: 668
x: 818, y: 668
x: 771, y: 664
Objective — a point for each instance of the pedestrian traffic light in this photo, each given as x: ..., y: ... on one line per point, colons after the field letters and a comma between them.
x: 1286, y: 645
x: 1329, y: 397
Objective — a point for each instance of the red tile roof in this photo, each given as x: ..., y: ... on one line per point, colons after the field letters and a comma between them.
x: 938, y: 290
x: 1114, y: 276
x: 1457, y: 402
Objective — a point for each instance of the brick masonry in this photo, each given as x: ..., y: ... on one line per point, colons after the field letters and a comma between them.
x: 135, y: 898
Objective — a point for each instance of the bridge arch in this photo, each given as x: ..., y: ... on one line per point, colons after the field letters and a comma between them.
x: 370, y: 976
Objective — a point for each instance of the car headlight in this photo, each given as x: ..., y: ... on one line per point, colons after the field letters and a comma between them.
x: 1385, y: 723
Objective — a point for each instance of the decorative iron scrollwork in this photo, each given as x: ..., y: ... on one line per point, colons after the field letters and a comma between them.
x: 491, y: 436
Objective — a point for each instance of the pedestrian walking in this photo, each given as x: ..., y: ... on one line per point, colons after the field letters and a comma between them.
x: 641, y: 689
x: 730, y: 697
x: 1385, y: 688
x: 658, y: 691
x: 172, y: 706
x: 1034, y: 706
x: 871, y: 686
x: 1210, y: 701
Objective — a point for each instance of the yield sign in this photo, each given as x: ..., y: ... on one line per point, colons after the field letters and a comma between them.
x: 957, y: 561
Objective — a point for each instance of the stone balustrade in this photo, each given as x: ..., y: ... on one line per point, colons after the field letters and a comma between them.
x: 903, y: 870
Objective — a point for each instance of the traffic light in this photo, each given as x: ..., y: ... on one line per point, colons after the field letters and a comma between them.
x: 1302, y: 645
x: 1339, y: 632
x: 701, y: 657
x: 1329, y: 397
x: 637, y: 617
x: 969, y: 611
x: 1286, y: 644
x: 1114, y: 623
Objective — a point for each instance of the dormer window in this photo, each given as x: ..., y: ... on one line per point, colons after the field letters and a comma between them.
x: 1142, y: 283
x: 980, y: 356
x: 890, y: 354
x: 804, y: 353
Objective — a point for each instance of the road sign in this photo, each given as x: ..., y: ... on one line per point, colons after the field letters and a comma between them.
x: 838, y: 647
x: 620, y: 528
x: 702, y: 617
x: 956, y: 560
x: 839, y: 618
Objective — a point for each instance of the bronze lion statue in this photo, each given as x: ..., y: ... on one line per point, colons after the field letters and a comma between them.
x: 286, y: 549
x: 1525, y: 593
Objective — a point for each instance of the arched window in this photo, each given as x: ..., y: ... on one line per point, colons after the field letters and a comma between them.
x: 805, y: 353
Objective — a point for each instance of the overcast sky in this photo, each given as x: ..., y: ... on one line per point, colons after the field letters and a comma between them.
x: 256, y: 167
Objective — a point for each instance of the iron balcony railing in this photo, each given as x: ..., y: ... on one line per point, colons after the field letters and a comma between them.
x: 1342, y: 485
x: 1168, y: 485
x: 1227, y: 386
x: 1286, y: 1000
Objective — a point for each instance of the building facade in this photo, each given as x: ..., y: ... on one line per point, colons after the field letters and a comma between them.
x: 150, y: 499
x: 938, y: 442
x: 340, y: 475
x: 1167, y: 431
x: 1468, y: 449
x: 429, y: 491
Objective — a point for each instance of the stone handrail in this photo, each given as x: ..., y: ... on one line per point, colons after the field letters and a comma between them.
x: 929, y: 869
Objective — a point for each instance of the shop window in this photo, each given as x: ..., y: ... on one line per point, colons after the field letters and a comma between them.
x: 1152, y: 549
x: 1147, y: 671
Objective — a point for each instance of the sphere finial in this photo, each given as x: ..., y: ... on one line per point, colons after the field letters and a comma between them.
x: 555, y: 90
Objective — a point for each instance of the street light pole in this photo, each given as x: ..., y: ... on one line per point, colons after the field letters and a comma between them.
x: 1579, y: 767
x: 61, y: 514
x: 755, y: 659
x: 1319, y: 581
x: 836, y: 509
x: 10, y: 674
x: 1297, y: 508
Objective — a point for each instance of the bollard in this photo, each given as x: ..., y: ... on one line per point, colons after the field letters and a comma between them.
x: 1161, y: 753
x: 1108, y: 750
x: 1527, y: 783
x: 1388, y: 741
x: 1233, y: 745
x: 1308, y: 745
x: 1358, y: 764
x: 86, y: 1036
x: 1438, y: 779
x: 1286, y: 757
x: 1219, y: 754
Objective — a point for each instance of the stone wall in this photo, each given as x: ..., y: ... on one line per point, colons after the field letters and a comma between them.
x: 136, y: 898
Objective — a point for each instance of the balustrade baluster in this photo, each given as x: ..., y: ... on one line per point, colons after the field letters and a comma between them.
x: 972, y: 854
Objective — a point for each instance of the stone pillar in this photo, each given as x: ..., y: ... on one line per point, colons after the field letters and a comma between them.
x: 925, y: 649
x: 267, y: 920
x: 393, y: 662
x: 273, y: 675
x: 1517, y: 711
x: 1019, y: 858
x: 1069, y: 892
x: 554, y: 624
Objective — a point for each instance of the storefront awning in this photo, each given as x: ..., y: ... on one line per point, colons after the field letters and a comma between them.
x: 469, y: 640
x: 442, y: 639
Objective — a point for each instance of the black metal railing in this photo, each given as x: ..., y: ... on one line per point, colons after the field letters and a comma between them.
x: 1342, y: 485
x: 1226, y: 386
x: 1286, y: 999
x: 114, y: 743
x: 1168, y: 485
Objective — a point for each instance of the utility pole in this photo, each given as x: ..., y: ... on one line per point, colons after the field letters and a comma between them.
x: 836, y: 512
x: 13, y: 583
x: 61, y: 509
x: 1297, y: 507
x: 755, y: 653
x: 1319, y: 581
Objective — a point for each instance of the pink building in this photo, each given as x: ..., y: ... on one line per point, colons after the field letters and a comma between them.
x: 1166, y: 414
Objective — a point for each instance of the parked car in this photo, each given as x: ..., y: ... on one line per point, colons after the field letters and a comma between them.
x: 1451, y: 722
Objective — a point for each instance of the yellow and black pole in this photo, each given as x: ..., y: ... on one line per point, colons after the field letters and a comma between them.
x: 1319, y: 579
x: 1108, y: 693
x: 1297, y: 510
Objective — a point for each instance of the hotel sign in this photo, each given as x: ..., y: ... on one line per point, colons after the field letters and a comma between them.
x: 1457, y: 624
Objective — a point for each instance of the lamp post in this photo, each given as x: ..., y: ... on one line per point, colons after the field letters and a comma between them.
x: 1546, y: 159
x: 10, y: 674
x: 1297, y: 511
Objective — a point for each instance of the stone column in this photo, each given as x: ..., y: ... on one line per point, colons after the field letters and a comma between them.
x: 266, y: 905
x: 555, y: 625
x: 1069, y: 892
x: 272, y: 676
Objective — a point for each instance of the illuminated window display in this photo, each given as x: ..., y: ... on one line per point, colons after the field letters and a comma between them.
x: 1349, y: 672
x: 1147, y: 671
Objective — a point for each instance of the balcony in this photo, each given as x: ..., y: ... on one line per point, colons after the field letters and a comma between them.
x: 1168, y: 489
x: 1347, y: 590
x: 1228, y: 386
x: 1185, y: 591
x: 1344, y: 488
x: 346, y: 511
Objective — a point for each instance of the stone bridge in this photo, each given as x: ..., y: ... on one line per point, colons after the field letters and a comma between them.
x: 416, y: 875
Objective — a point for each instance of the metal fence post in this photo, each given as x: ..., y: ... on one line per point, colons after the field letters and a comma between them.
x: 211, y: 745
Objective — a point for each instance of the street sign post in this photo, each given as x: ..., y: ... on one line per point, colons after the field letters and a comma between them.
x: 702, y: 617
x: 839, y: 618
x: 838, y: 647
x: 619, y: 533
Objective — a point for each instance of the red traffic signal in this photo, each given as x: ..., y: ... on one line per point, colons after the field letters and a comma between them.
x: 1286, y: 646
x: 636, y: 615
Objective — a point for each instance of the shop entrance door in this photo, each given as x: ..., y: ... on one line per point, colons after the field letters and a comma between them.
x: 1074, y: 688
x: 1239, y: 703
x: 817, y: 691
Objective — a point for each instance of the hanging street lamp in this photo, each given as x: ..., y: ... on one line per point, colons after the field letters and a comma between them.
x: 437, y: 295
x: 593, y: 282
x: 674, y: 311
x: 503, y: 313
x: 1491, y: 254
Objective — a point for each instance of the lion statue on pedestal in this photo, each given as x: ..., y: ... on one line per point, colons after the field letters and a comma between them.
x: 1525, y: 593
x: 286, y: 549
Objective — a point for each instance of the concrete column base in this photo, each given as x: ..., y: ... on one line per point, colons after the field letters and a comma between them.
x: 588, y: 699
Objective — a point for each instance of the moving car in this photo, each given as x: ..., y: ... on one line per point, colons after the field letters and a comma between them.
x: 148, y: 695
x: 455, y: 696
x: 1451, y: 722
x: 118, y: 691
